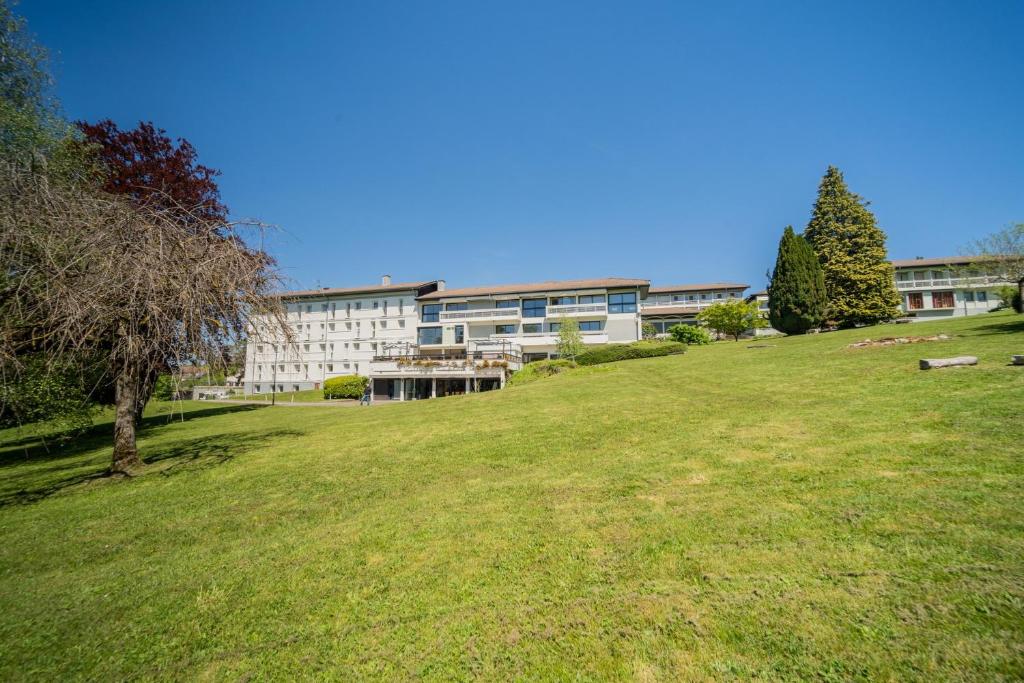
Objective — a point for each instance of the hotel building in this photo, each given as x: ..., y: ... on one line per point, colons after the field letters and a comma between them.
x: 933, y: 288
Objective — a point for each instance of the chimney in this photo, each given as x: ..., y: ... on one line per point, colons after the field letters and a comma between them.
x: 385, y: 280
x: 440, y: 285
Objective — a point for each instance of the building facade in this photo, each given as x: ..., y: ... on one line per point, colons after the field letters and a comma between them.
x: 334, y: 332
x: 933, y: 288
x: 670, y: 305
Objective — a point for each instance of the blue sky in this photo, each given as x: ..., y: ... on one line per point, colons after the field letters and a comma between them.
x: 491, y: 142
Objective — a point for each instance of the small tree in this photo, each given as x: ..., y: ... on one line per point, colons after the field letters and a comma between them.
x: 648, y: 331
x: 570, y: 341
x: 1002, y: 253
x: 732, y: 317
x: 690, y: 334
x: 796, y: 295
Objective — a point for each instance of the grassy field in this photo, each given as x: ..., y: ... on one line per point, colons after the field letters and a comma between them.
x: 305, y: 396
x: 797, y: 511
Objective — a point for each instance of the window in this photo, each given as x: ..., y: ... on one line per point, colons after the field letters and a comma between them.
x: 968, y: 296
x: 401, y: 323
x: 531, y: 328
x: 323, y: 308
x: 703, y: 296
x: 562, y: 300
x: 456, y: 306
x: 401, y: 306
x: 355, y: 346
x: 330, y: 326
x: 554, y: 327
x: 938, y: 275
x: 902, y: 276
x: 259, y: 347
x: 506, y: 303
x: 915, y: 301
x: 942, y: 300
x: 375, y: 304
x: 431, y: 313
x: 982, y: 296
x: 359, y: 305
x: 348, y: 308
x: 460, y: 334
x: 534, y: 308
x: 384, y: 324
x: 624, y: 302
x: 504, y: 329
x: 295, y: 387
x: 330, y: 367
x: 592, y: 299
x: 429, y: 335
x: 259, y: 388
x: 718, y: 295
x: 309, y: 308
x: 591, y: 325
x: 385, y: 306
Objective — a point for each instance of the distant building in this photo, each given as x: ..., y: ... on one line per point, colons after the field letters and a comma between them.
x: 669, y: 305
x: 932, y: 288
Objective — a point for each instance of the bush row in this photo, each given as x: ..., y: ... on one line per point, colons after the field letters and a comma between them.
x: 642, y: 349
x: 347, y: 386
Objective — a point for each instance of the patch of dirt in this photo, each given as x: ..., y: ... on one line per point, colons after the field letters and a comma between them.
x: 893, y: 341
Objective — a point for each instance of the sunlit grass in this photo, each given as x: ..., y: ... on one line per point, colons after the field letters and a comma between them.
x: 798, y: 511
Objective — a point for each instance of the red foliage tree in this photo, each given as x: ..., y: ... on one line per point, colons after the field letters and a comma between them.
x: 147, y: 165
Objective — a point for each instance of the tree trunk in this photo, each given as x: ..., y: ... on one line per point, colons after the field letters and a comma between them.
x: 126, y: 400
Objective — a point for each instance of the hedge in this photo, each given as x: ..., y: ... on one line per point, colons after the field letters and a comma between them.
x: 538, y: 370
x: 642, y: 349
x: 346, y: 386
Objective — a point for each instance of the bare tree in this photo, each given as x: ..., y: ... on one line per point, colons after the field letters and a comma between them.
x: 84, y: 272
x: 1003, y: 254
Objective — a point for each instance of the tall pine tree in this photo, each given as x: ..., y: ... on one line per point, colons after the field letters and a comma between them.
x: 851, y: 249
x: 796, y: 295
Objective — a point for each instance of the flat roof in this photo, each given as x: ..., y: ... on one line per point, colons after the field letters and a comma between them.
x: 364, y: 289
x: 662, y: 289
x: 937, y: 261
x: 549, y: 285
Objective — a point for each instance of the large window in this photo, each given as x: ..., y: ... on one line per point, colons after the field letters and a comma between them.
x: 507, y: 303
x: 942, y: 300
x: 431, y: 313
x: 623, y: 302
x: 915, y: 301
x: 534, y: 308
x: 554, y: 327
x: 456, y: 306
x: 460, y: 334
x: 504, y: 329
x: 531, y: 328
x: 429, y: 335
x: 591, y: 325
x: 592, y: 299
x: 563, y: 300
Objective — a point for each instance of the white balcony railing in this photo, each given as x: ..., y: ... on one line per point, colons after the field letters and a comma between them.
x: 646, y: 305
x: 979, y: 281
x: 573, y: 310
x: 481, y: 314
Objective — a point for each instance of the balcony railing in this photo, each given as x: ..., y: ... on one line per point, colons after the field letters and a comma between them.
x: 481, y: 314
x: 645, y: 305
x: 979, y: 281
x: 573, y: 310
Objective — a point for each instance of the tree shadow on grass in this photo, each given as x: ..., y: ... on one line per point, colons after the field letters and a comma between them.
x: 167, y: 460
x: 1008, y: 327
x: 33, y: 448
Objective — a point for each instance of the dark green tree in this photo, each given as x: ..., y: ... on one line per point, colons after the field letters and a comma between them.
x: 796, y: 295
x: 850, y: 247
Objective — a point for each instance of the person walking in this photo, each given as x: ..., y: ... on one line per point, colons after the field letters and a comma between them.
x: 367, y: 393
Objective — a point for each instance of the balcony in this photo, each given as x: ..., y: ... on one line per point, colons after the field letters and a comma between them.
x: 653, y: 306
x: 979, y: 281
x: 480, y: 315
x: 577, y: 310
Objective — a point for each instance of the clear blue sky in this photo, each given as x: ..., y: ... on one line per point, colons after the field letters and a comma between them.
x: 501, y: 142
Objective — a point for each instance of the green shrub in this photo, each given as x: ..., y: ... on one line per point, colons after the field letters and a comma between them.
x: 531, y: 372
x: 163, y: 389
x: 346, y: 386
x: 648, y: 331
x: 690, y: 334
x: 643, y: 349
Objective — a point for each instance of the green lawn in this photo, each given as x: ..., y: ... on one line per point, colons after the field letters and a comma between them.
x: 800, y: 511
x: 306, y: 396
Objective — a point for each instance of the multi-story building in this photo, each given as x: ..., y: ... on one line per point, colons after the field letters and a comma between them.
x: 933, y: 288
x: 335, y: 331
x: 469, y: 339
x: 670, y: 305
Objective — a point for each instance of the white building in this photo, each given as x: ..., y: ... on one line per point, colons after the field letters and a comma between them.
x: 336, y: 332
x: 932, y: 288
x: 470, y: 339
x: 670, y: 305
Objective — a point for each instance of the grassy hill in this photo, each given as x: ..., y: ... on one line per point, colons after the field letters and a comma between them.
x: 803, y: 510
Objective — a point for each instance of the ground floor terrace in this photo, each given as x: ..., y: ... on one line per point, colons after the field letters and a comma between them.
x: 420, y: 388
x: 439, y: 373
